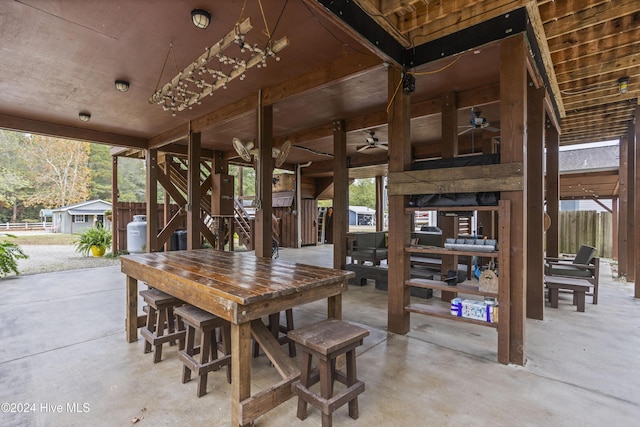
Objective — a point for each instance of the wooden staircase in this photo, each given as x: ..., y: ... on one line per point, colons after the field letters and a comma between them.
x: 242, y: 224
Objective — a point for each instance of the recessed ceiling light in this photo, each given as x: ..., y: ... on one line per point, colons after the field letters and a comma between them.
x: 84, y: 117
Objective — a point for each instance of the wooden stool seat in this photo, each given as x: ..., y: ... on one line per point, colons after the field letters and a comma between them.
x: 207, y: 324
x: 161, y: 325
x: 327, y: 340
x: 579, y: 287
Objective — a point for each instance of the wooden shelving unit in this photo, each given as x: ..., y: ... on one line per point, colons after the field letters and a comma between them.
x: 503, y: 295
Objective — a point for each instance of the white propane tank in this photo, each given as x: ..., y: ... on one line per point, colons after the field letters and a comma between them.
x: 137, y: 234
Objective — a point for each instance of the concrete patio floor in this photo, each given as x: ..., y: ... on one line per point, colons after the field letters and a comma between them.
x: 64, y: 361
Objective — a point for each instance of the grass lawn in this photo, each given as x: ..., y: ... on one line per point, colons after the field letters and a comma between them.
x: 44, y: 239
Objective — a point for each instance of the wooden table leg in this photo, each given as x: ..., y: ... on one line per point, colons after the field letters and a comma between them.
x: 240, y: 369
x: 132, y: 310
x: 334, y: 306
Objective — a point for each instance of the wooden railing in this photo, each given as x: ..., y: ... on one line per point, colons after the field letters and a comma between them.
x: 242, y: 224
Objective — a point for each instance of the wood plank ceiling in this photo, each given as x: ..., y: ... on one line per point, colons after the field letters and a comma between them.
x: 592, y: 44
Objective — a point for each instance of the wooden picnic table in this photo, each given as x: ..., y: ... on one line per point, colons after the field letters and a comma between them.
x: 240, y: 288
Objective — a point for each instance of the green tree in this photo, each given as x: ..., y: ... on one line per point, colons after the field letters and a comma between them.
x: 59, y: 170
x: 100, y: 169
x: 15, y: 185
x: 132, y: 182
x: 363, y: 193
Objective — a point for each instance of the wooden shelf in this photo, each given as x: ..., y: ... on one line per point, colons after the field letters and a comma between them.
x: 452, y: 209
x: 444, y: 313
x: 417, y: 249
x: 442, y: 286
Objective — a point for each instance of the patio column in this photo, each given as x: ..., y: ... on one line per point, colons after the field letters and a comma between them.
x: 399, y: 221
x: 636, y: 214
x: 513, y: 116
x: 193, y: 191
x: 535, y: 202
x: 552, y: 186
x: 152, y: 200
x: 340, y: 194
x: 264, y: 174
x: 379, y: 203
x: 114, y: 205
x: 631, y: 203
x: 623, y: 211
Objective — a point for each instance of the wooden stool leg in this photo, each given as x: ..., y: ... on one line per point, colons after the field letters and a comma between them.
x: 213, y: 345
x: 226, y: 346
x: 181, y: 328
x: 151, y: 321
x: 352, y: 377
x: 305, y: 379
x: 326, y: 387
x: 189, y: 345
x: 205, y: 347
x: 290, y: 327
x: 157, y: 355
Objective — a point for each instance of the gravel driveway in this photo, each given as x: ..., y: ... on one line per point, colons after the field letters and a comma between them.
x: 47, y: 258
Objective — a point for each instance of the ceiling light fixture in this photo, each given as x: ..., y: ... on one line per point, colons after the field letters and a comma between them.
x: 122, y: 85
x: 200, y: 78
x: 623, y: 84
x: 200, y: 18
x: 84, y: 117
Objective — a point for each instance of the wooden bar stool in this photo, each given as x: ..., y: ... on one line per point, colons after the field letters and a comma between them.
x: 160, y: 318
x: 278, y: 328
x: 207, y: 324
x: 327, y: 340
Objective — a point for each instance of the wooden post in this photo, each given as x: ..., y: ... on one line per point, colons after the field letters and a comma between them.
x: 623, y: 210
x: 513, y: 139
x: 399, y: 221
x: 340, y: 194
x: 264, y: 175
x: 631, y: 203
x: 552, y: 183
x: 449, y: 144
x: 614, y: 228
x: 114, y: 204
x: 636, y: 214
x: 152, y: 200
x: 168, y: 158
x: 486, y: 219
x: 535, y: 202
x: 193, y: 191
x: 379, y: 203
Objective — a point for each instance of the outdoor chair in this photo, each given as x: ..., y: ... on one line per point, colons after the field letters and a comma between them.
x: 585, y: 266
x: 369, y: 246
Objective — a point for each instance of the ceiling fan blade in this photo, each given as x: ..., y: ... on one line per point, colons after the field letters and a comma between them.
x: 383, y: 146
x: 464, y: 131
x: 492, y: 129
x: 363, y: 148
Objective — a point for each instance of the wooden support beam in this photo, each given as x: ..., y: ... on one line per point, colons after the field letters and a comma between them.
x: 449, y: 225
x: 193, y: 192
x: 399, y: 220
x: 623, y: 223
x: 614, y: 227
x: 552, y: 190
x: 264, y: 174
x: 114, y: 203
x: 631, y: 202
x: 513, y: 109
x: 379, y: 203
x: 152, y: 200
x: 167, y: 203
x: 636, y: 213
x: 535, y: 202
x: 340, y: 195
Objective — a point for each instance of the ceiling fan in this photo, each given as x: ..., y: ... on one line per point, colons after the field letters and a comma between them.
x: 477, y: 122
x: 247, y: 151
x: 372, y: 142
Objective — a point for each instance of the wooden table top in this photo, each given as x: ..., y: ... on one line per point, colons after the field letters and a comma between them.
x: 240, y: 277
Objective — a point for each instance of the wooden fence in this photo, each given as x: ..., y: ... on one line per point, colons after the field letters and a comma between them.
x: 21, y: 226
x: 586, y: 228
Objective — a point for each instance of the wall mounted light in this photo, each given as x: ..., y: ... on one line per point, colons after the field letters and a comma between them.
x: 200, y: 18
x: 84, y: 117
x: 122, y: 85
x: 623, y: 84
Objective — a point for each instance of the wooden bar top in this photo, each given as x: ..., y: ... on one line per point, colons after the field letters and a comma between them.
x: 240, y: 277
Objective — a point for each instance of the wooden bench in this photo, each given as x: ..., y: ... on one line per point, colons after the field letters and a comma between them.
x: 326, y: 341
x: 579, y: 287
